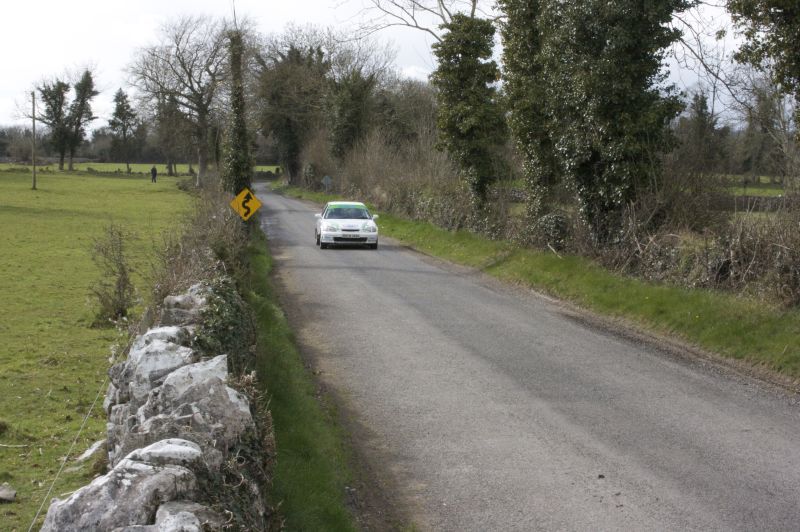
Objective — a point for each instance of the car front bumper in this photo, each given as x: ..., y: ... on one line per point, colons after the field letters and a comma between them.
x: 348, y: 238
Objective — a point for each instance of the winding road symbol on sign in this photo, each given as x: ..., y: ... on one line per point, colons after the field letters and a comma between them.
x: 245, y: 204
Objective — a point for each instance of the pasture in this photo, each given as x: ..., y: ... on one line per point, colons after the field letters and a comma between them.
x: 52, y: 362
x: 119, y: 168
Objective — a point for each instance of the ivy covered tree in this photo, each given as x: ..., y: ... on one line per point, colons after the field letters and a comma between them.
x: 526, y: 93
x: 349, y: 101
x: 607, y: 111
x: 237, y: 164
x: 122, y: 125
x: 470, y: 118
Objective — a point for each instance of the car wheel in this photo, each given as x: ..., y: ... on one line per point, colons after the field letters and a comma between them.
x: 373, y: 246
x: 316, y: 237
x: 323, y: 245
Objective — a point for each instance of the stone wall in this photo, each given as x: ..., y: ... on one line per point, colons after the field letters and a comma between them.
x: 173, y: 421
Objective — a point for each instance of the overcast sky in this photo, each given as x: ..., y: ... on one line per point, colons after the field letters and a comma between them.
x: 44, y: 38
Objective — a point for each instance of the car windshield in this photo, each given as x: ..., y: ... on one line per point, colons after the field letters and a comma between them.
x: 345, y: 212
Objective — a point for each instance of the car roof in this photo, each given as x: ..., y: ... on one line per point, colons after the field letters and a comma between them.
x: 346, y: 204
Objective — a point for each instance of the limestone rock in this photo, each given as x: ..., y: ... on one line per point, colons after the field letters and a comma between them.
x: 147, y: 364
x: 184, y: 309
x: 206, y: 516
x: 180, y: 516
x: 187, y: 427
x: 173, y: 451
x: 152, y: 363
x: 173, y: 334
x: 128, y: 495
x: 88, y: 453
x: 112, y: 398
x: 199, y: 390
x: 7, y: 493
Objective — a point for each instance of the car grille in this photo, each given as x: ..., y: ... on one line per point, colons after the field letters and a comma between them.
x: 349, y: 230
x: 349, y: 240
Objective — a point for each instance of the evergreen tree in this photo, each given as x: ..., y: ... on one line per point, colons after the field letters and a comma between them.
x: 292, y: 88
x: 54, y: 115
x: 80, y: 113
x: 122, y: 124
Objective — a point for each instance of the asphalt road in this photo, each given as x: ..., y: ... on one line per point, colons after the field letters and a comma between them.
x: 490, y: 408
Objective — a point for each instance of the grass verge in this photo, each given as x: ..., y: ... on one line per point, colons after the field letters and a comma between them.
x: 52, y: 361
x: 311, y: 470
x: 762, y: 334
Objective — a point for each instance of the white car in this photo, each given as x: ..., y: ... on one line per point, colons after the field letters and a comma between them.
x: 346, y: 222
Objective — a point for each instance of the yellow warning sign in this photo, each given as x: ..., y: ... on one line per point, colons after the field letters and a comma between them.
x: 245, y: 204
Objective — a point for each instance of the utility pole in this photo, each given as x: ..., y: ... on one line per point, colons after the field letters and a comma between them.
x: 33, y: 139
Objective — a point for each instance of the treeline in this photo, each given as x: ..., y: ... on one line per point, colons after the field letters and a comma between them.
x: 575, y: 141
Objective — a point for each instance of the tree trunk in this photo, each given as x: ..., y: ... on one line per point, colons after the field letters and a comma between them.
x: 170, y: 168
x: 71, y: 156
x: 61, y: 154
x: 128, y: 166
x: 202, y: 165
x: 201, y: 136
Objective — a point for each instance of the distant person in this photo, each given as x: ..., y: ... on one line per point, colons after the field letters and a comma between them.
x: 153, y: 174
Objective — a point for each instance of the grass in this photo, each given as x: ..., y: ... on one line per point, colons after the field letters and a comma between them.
x: 136, y: 168
x: 758, y: 186
x: 764, y: 190
x: 311, y: 471
x: 52, y: 362
x: 729, y: 325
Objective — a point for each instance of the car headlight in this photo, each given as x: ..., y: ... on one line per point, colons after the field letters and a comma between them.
x: 330, y: 227
x: 369, y: 228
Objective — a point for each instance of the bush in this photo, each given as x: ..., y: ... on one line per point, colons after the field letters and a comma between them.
x: 554, y: 230
x: 114, y: 290
x: 212, y: 243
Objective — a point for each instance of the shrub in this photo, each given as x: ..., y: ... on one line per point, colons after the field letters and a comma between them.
x: 554, y: 230
x: 212, y: 242
x: 114, y: 290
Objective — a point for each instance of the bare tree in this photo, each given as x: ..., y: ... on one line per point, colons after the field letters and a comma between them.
x: 188, y: 67
x: 771, y: 113
x: 423, y: 15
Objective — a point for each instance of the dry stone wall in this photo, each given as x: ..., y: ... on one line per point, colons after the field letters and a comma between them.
x: 171, y: 415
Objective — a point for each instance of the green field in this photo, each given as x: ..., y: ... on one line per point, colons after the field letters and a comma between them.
x: 110, y: 168
x: 735, y: 327
x: 52, y: 363
x: 756, y: 186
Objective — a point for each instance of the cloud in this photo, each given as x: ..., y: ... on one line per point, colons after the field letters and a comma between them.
x: 415, y: 72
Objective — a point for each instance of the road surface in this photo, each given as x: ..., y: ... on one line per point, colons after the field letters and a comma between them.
x: 490, y: 408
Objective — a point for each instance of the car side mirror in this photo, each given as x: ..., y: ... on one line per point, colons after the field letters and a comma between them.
x: 318, y: 215
x: 375, y: 216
